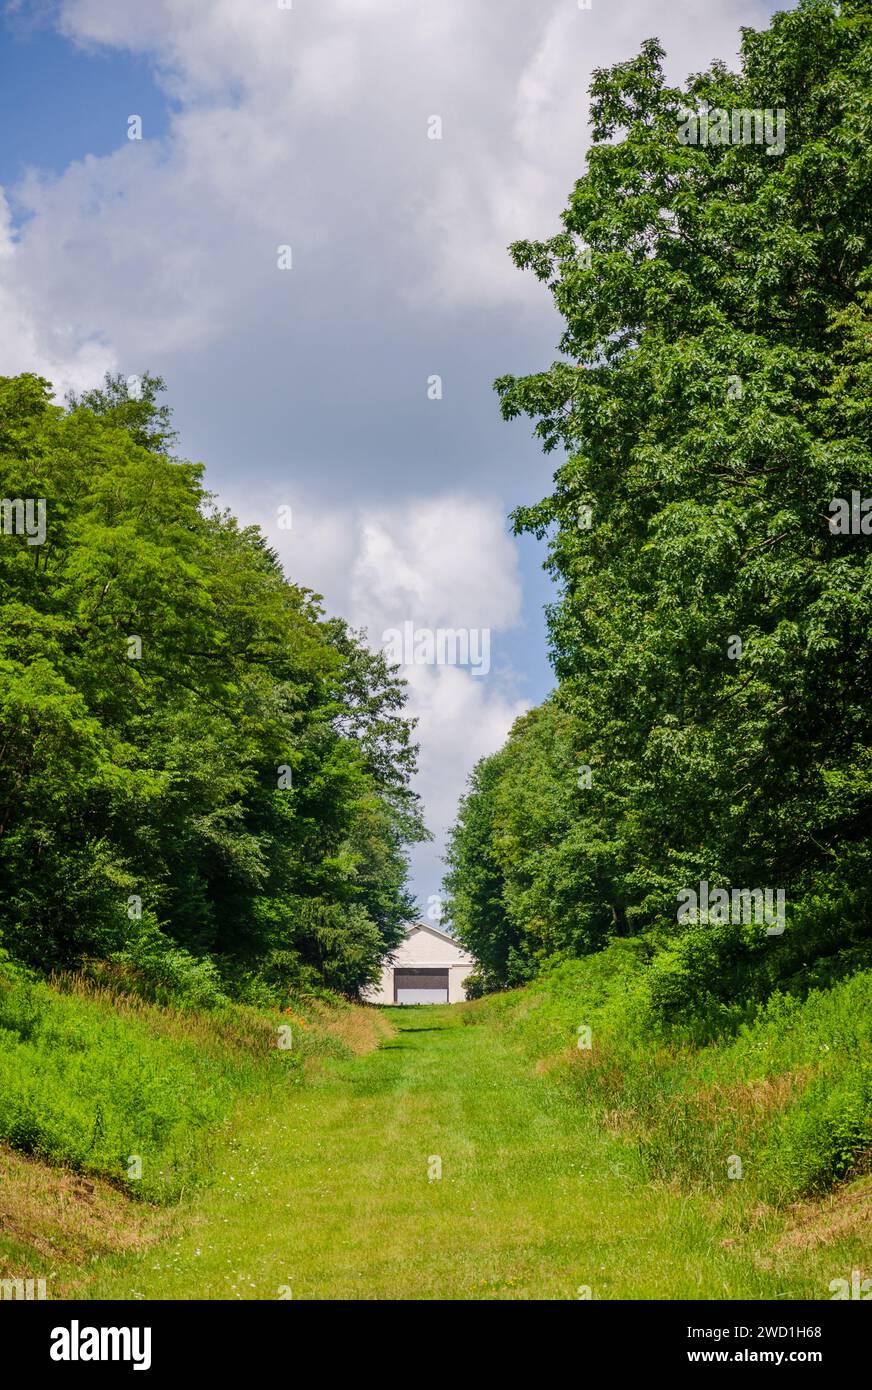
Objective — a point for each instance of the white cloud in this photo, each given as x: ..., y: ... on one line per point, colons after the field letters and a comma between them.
x: 439, y: 561
x: 460, y: 719
x: 53, y: 349
x: 443, y: 562
x: 309, y: 127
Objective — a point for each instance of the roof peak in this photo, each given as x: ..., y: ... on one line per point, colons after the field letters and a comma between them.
x: 437, y: 931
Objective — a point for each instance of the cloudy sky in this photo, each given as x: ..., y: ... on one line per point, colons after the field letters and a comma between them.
x: 307, y: 125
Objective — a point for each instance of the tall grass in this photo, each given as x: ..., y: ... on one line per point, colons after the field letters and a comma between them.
x: 782, y: 1102
x: 110, y: 1084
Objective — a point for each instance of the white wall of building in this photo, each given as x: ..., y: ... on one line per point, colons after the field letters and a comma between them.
x: 428, y: 949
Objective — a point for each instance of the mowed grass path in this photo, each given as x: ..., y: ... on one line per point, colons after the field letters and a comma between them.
x: 329, y: 1195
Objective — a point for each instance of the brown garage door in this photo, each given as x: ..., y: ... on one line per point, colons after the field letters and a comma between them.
x: 420, y: 986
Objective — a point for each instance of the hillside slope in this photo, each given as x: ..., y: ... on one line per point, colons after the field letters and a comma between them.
x: 471, y: 1157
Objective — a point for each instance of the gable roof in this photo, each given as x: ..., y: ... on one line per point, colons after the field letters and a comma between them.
x: 434, y: 931
x: 397, y: 957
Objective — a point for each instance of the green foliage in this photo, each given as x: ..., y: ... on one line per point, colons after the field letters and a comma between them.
x: 157, y: 970
x: 155, y: 775
x: 825, y: 1138
x: 713, y: 395
x: 787, y: 1090
x: 477, y: 985
x: 526, y: 860
x: 88, y: 1085
x: 92, y: 1076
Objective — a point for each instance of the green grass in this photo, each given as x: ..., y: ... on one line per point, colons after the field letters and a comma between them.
x: 331, y: 1196
x: 314, y: 1171
x: 95, y: 1081
x: 790, y: 1094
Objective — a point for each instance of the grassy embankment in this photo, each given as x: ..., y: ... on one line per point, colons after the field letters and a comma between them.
x: 313, y: 1172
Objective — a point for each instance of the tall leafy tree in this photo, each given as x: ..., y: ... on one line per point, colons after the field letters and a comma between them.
x: 190, y: 751
x: 712, y: 398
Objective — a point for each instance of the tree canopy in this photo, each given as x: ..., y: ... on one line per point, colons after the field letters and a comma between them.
x: 193, y: 757
x: 712, y: 635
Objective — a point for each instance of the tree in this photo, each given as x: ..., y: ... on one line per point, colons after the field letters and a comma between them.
x: 712, y: 640
x: 187, y: 745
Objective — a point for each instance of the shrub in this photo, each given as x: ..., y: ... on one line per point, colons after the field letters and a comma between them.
x: 165, y: 973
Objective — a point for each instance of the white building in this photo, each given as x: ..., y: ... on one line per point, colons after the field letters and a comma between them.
x: 427, y: 968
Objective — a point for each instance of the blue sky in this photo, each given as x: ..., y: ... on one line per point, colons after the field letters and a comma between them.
x: 307, y: 388
x: 58, y: 102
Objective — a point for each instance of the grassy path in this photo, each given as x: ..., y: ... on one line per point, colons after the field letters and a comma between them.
x: 330, y: 1195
